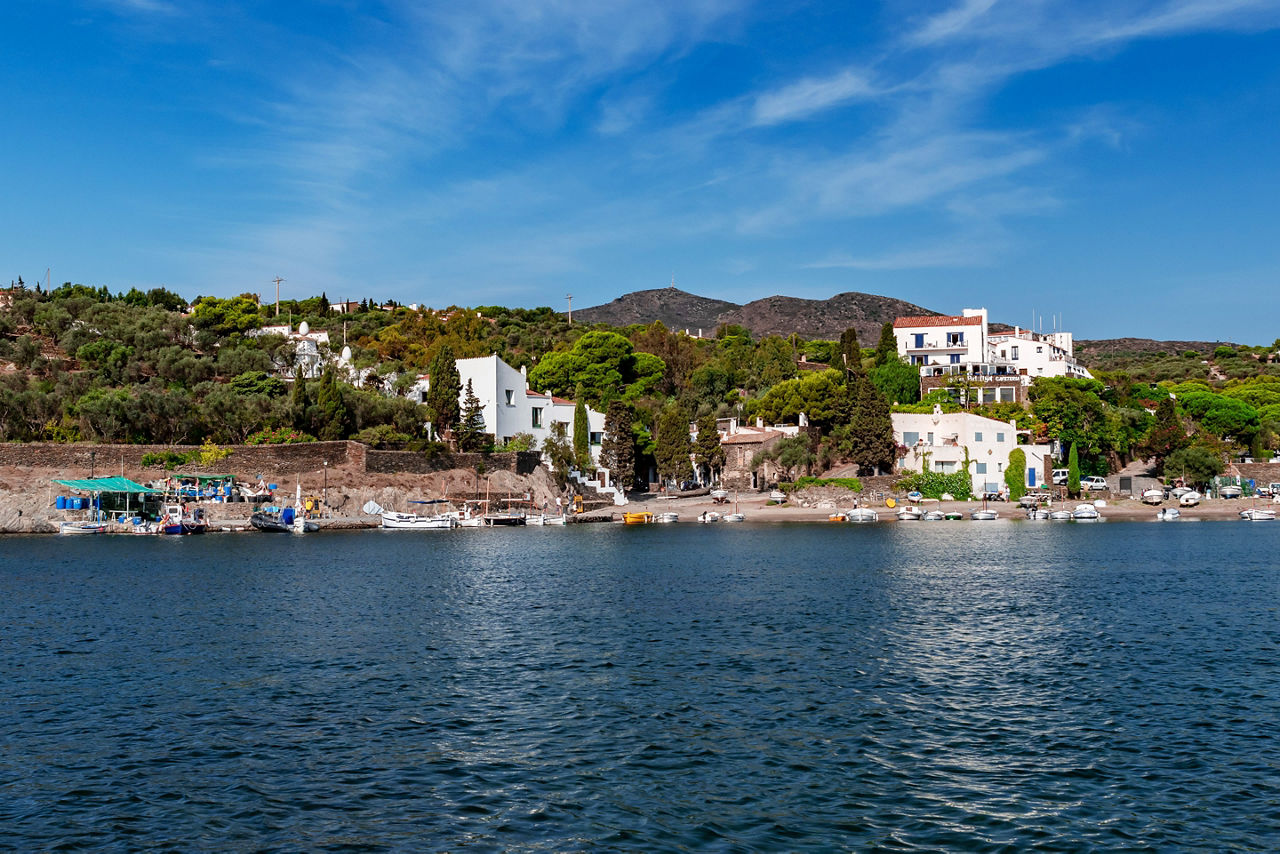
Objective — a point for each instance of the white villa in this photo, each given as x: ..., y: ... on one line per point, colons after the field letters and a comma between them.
x: 309, y: 359
x: 1000, y: 365
x: 940, y: 441
x: 511, y: 407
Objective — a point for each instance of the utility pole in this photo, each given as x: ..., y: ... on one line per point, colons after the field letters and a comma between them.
x: 277, y: 280
x: 569, y: 297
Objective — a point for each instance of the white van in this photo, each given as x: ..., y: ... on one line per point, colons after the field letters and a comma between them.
x: 1060, y: 476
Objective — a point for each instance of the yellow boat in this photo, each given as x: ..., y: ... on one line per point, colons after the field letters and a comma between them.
x: 637, y: 518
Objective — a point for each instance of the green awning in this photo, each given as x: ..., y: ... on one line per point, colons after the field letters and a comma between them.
x: 106, y: 484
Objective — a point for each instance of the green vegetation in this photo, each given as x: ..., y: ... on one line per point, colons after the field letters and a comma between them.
x: 851, y: 483
x: 933, y: 484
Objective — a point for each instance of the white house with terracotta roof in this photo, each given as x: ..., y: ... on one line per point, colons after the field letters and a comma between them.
x: 941, y: 441
x: 961, y: 350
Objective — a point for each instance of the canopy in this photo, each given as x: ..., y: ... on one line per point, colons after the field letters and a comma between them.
x: 106, y: 484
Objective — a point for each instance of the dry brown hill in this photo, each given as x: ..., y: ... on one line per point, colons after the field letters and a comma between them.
x: 776, y: 315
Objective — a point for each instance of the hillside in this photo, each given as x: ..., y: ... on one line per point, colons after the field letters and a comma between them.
x: 775, y: 315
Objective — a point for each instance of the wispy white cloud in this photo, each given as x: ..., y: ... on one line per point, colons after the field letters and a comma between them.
x: 810, y: 96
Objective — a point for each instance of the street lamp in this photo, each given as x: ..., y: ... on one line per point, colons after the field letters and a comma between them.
x: 326, y: 484
x: 92, y: 456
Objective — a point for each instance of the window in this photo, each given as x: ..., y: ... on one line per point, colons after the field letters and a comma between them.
x: 955, y: 339
x: 980, y: 468
x: 977, y: 437
x: 910, y: 439
x: 511, y: 395
x: 955, y: 358
x: 999, y: 437
x: 929, y: 439
x: 1013, y: 352
x: 944, y: 466
x: 1006, y: 395
x: 1039, y: 349
x: 999, y: 467
x: 919, y: 339
x: 537, y: 416
x: 988, y: 395
x: 596, y: 438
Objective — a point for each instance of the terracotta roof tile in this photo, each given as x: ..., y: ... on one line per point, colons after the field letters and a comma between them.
x: 749, y: 438
x: 944, y: 320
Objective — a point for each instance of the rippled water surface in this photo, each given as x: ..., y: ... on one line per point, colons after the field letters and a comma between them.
x: 932, y: 686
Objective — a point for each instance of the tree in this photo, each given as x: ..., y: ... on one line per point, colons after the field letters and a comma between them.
x: 618, y: 450
x: 443, y: 391
x: 335, y: 417
x: 559, y: 451
x: 604, y: 364
x: 870, y: 435
x: 1073, y: 471
x: 300, y: 402
x: 1015, y: 475
x: 887, y: 348
x: 850, y: 354
x: 708, y: 454
x: 470, y: 434
x: 1196, y: 464
x: 673, y: 447
x: 821, y: 397
x: 897, y: 381
x: 791, y: 453
x: 581, y: 435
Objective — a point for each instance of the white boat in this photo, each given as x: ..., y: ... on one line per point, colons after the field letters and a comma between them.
x: 777, y: 496
x: 1256, y: 515
x: 719, y: 496
x: 1230, y: 491
x: 1085, y: 513
x: 666, y: 518
x: 708, y: 516
x: 414, y: 522
x: 863, y: 514
x: 1168, y: 514
x: 934, y: 516
x: 1060, y: 516
x: 1189, y: 499
x: 1038, y: 514
x: 909, y: 513
x: 1154, y: 497
x: 82, y: 528
x: 984, y: 515
x: 734, y: 517
x: 553, y: 520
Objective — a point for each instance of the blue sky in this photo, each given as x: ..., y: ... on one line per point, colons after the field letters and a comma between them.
x: 1112, y: 162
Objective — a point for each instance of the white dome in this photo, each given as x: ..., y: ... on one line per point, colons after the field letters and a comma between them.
x: 303, y: 328
x: 346, y: 354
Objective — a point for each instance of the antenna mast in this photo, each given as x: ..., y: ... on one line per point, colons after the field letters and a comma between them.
x: 569, y: 298
x: 278, y: 280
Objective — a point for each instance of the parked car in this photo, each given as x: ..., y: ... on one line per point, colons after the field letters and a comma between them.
x: 1060, y: 476
x: 1093, y: 483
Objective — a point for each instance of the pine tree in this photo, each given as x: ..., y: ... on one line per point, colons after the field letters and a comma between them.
x: 444, y: 390
x: 888, y: 347
x: 581, y: 434
x: 707, y: 452
x: 470, y: 433
x: 618, y: 451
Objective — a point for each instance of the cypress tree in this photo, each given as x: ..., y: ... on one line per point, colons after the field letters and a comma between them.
x: 706, y: 449
x: 673, y: 446
x: 618, y: 451
x: 888, y: 347
x: 850, y: 355
x: 581, y: 434
x: 333, y: 409
x: 470, y: 434
x: 1073, y: 471
x: 871, y: 429
x: 444, y: 390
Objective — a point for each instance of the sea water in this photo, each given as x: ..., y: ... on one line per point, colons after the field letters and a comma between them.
x: 964, y: 686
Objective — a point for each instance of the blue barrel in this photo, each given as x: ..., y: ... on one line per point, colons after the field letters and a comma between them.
x: 97, y: 502
x: 286, y: 515
x: 61, y: 503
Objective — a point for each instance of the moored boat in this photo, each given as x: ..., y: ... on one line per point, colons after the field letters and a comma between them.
x: 863, y: 514
x: 708, y: 516
x: 1255, y: 515
x: 414, y: 522
x: 667, y: 518
x: 1060, y: 515
x: 984, y: 515
x: 1153, y: 497
x: 82, y: 528
x: 934, y: 516
x: 734, y: 517
x: 1168, y: 514
x: 637, y: 518
x: 909, y: 513
x: 1189, y: 499
x: 1085, y: 513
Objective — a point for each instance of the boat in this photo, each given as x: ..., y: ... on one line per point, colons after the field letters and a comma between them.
x: 637, y: 518
x: 1255, y: 515
x: 777, y: 496
x: 909, y: 513
x: 507, y: 518
x: 719, y: 496
x: 1038, y: 514
x: 282, y: 520
x: 667, y: 518
x: 175, y: 521
x: 88, y: 527
x: 414, y: 522
x: 934, y: 516
x: 559, y: 519
x: 1189, y: 499
x: 1085, y: 513
x: 863, y: 514
x: 953, y: 516
x: 984, y: 515
x: 1060, y: 516
x: 734, y: 517
x: 1230, y: 491
x: 708, y: 516
x: 915, y: 497
x: 1168, y: 514
x: 1154, y: 497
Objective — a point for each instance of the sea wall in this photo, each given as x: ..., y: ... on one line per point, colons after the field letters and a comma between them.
x: 395, y: 462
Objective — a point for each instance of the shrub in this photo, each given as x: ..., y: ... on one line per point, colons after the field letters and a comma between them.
x: 851, y: 483
x: 932, y: 484
x: 279, y: 436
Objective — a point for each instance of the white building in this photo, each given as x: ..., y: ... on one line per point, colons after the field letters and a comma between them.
x: 940, y: 441
x: 511, y: 407
x: 311, y: 349
x: 951, y: 350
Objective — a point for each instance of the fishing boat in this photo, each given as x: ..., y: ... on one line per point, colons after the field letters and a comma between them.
x: 1230, y: 491
x: 560, y: 519
x: 737, y: 515
x: 1060, y: 516
x: 1037, y: 514
x: 1253, y: 514
x: 418, y: 522
x: 667, y: 518
x: 1154, y: 497
x: 85, y: 527
x: 175, y: 521
x: 1189, y: 499
x: 282, y: 520
x: 1085, y: 513
x: 708, y: 516
x: 984, y: 515
x: 777, y: 496
x: 909, y: 513
x: 838, y: 516
x: 953, y: 516
x: 863, y: 514
x: 915, y: 497
x: 720, y: 496
x: 934, y: 516
x: 637, y: 518
x: 1168, y: 514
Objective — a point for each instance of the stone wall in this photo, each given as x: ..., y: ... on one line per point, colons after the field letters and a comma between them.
x: 392, y: 462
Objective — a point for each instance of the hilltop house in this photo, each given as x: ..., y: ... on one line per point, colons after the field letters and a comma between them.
x: 943, y: 441
x: 309, y: 359
x: 961, y: 351
x: 511, y: 407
